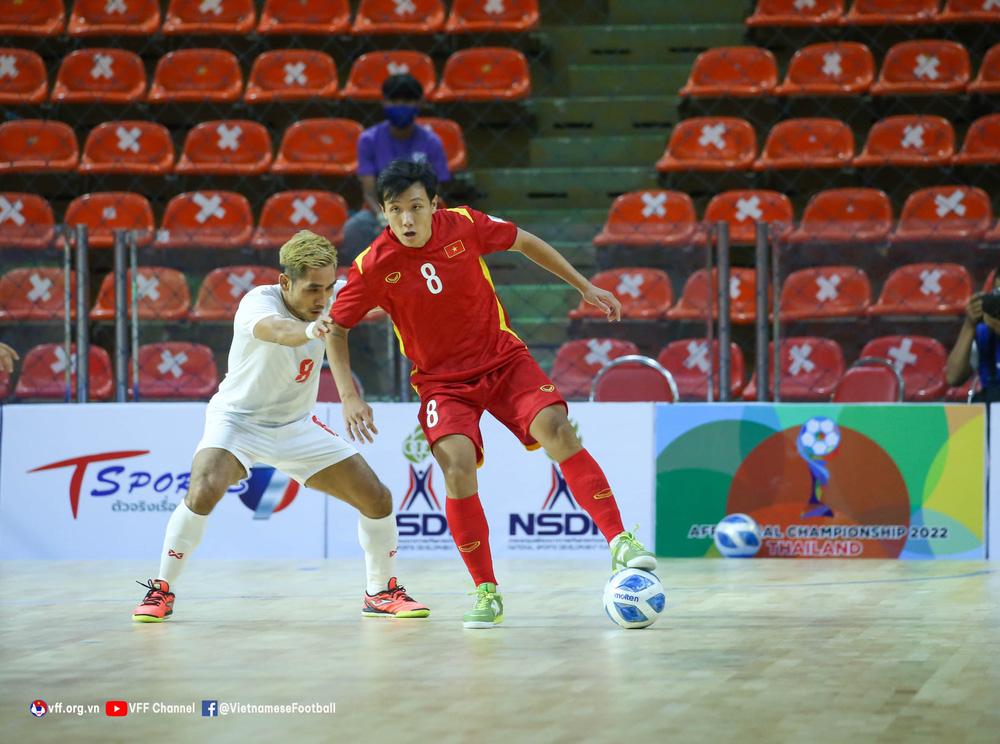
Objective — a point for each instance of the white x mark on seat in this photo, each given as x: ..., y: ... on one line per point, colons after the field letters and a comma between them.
x: 61, y: 361
x: 40, y: 288
x: 913, y: 136
x: 901, y: 355
x: 11, y: 211
x: 800, y: 359
x: 653, y: 204
x: 827, y: 287
x: 599, y: 353
x: 629, y: 284
x: 930, y: 281
x: 711, y: 134
x: 102, y: 67
x: 128, y: 139
x: 735, y: 287
x: 697, y: 355
x: 947, y: 205
x: 302, y: 210
x: 803, y: 4
x: 494, y: 7
x: 147, y: 286
x: 171, y: 364
x: 405, y: 7
x: 295, y: 73
x: 926, y: 67
x: 109, y: 212
x: 210, y: 6
x: 748, y: 208
x: 229, y: 138
x: 240, y: 284
x: 398, y: 68
x: 991, y: 4
x: 831, y: 65
x: 210, y: 207
x: 8, y: 66
x: 115, y: 6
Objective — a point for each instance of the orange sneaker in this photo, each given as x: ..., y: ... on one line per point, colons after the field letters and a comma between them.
x: 392, y: 602
x: 158, y: 603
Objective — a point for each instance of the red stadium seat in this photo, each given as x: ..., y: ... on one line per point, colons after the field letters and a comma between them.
x: 206, y: 219
x: 292, y: 75
x: 222, y: 290
x: 35, y: 294
x: 970, y: 11
x: 578, y: 361
x: 811, y: 367
x: 839, y: 68
x: 796, y: 13
x: 743, y: 209
x: 689, y: 362
x: 892, y: 12
x: 483, y: 16
x: 924, y: 67
x: 195, y: 76
x: 484, y: 74
x: 710, y: 143
x: 227, y: 147
x: 634, y: 379
x: 100, y: 76
x: 807, y: 143
x: 395, y: 17
x: 305, y: 17
x: 26, y: 221
x: 106, y: 211
x: 908, y: 141
x: 944, y: 213
x: 825, y: 292
x: 963, y: 393
x: 732, y: 71
x: 33, y: 18
x: 43, y: 374
x: 982, y: 142
x: 919, y: 359
x: 452, y: 139
x: 128, y: 148
x: 209, y: 17
x: 162, y: 295
x: 988, y: 80
x: 109, y: 18
x: 869, y: 383
x: 845, y: 216
x: 326, y: 147
x: 645, y: 294
x: 177, y: 371
x: 370, y: 70
x: 287, y: 212
x: 925, y: 289
x: 23, y: 79
x: 694, y: 301
x: 651, y: 218
x: 37, y: 146
x: 328, y: 392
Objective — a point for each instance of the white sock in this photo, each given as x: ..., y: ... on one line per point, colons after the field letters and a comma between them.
x: 184, y: 531
x: 378, y: 539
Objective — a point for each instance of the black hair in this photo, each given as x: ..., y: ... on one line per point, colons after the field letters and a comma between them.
x: 400, y: 174
x: 403, y: 87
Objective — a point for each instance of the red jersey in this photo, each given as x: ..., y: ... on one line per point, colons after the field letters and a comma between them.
x: 445, y: 311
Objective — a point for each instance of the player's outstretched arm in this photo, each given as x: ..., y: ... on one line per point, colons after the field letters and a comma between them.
x: 288, y: 332
x: 552, y: 261
x: 359, y: 419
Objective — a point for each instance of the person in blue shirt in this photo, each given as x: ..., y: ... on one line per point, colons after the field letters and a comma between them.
x: 977, y: 349
x: 398, y: 137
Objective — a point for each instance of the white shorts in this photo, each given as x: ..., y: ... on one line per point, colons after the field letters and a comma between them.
x: 299, y: 449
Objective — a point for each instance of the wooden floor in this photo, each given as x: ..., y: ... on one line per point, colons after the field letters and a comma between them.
x: 791, y: 651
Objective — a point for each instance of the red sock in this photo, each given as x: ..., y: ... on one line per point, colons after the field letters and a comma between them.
x: 472, y: 536
x: 591, y: 490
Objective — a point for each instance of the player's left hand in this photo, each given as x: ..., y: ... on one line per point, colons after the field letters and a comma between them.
x: 359, y: 419
x: 605, y: 300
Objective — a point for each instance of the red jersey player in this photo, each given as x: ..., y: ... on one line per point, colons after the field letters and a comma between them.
x: 427, y: 272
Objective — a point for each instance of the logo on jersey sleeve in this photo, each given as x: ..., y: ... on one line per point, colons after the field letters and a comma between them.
x: 452, y: 250
x: 393, y: 277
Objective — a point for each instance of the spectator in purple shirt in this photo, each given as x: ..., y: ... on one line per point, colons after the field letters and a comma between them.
x: 398, y: 137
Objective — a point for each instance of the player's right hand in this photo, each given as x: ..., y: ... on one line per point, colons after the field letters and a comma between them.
x: 7, y: 358
x: 974, y: 310
x: 359, y: 420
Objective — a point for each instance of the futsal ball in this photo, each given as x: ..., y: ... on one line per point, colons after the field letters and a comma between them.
x: 737, y: 536
x: 634, y: 598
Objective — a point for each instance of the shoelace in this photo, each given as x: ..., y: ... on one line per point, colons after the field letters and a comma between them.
x: 483, y: 599
x: 400, y: 593
x: 154, y: 596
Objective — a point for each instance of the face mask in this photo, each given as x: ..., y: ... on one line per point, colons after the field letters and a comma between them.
x: 400, y: 116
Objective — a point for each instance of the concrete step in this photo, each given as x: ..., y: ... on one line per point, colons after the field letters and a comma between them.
x: 627, y: 79
x: 606, y: 115
x: 638, y: 44
x: 504, y: 189
x: 634, y: 149
x: 717, y: 11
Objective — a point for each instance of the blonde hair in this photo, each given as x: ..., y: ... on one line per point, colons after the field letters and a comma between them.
x: 306, y: 250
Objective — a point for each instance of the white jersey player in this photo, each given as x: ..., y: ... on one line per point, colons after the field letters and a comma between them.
x: 263, y: 413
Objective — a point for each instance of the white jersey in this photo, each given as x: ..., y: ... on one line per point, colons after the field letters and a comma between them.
x: 268, y: 383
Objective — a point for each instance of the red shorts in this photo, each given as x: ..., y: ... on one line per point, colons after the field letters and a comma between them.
x: 514, y: 393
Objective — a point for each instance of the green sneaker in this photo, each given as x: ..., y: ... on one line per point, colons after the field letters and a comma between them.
x: 628, y: 552
x: 488, y: 610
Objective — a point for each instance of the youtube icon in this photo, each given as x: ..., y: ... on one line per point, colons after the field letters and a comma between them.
x: 116, y: 708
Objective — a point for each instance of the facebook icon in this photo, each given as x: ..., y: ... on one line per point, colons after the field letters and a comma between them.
x: 210, y: 707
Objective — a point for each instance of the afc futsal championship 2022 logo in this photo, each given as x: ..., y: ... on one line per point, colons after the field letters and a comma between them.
x: 818, y: 440
x: 420, y: 518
